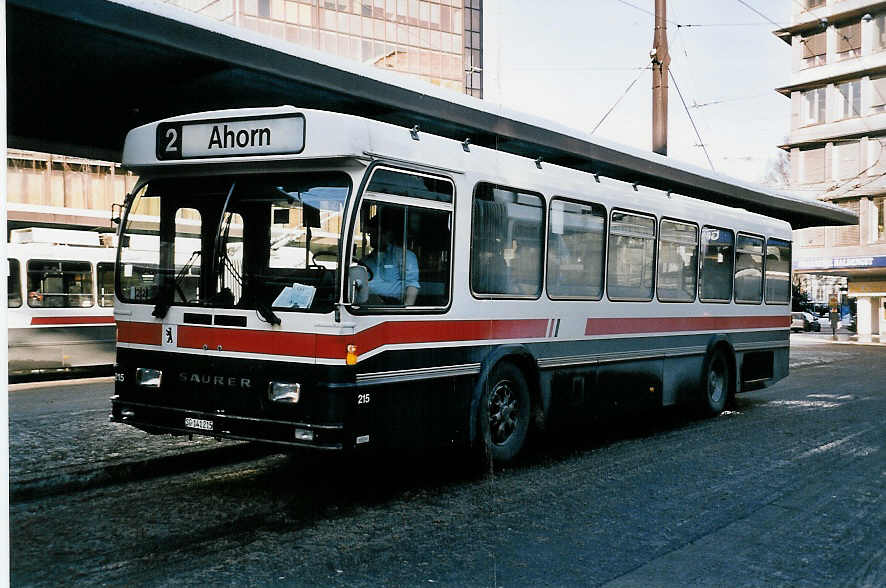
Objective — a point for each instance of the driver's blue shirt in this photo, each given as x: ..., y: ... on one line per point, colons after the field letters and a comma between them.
x: 386, y: 266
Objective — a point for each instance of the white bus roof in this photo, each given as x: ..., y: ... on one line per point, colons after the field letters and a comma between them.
x: 286, y: 132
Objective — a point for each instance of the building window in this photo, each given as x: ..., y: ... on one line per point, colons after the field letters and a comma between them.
x: 849, y: 41
x: 473, y: 47
x: 814, y: 106
x: 814, y: 49
x: 264, y: 8
x: 880, y: 32
x: 846, y: 156
x: 812, y: 168
x: 631, y: 257
x: 878, y: 94
x: 880, y: 218
x: 576, y: 250
x: 814, y: 3
x: 848, y: 99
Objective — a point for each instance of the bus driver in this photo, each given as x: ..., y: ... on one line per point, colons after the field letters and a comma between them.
x: 386, y: 262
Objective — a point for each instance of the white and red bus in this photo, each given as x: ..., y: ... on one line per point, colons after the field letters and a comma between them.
x: 60, y: 289
x: 314, y: 279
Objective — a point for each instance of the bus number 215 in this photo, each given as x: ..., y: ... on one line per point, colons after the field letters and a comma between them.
x: 363, y: 398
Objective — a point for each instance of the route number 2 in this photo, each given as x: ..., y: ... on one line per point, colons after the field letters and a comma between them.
x: 172, y: 135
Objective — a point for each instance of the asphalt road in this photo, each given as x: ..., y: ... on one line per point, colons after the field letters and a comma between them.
x: 787, y: 488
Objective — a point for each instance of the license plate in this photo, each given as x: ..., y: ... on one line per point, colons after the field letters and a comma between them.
x: 202, y: 424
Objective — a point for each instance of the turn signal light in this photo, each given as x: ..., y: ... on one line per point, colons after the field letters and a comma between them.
x: 351, y: 357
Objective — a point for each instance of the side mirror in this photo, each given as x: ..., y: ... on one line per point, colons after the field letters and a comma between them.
x: 358, y: 284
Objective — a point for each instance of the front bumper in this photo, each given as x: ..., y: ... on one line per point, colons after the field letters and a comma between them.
x: 159, y: 419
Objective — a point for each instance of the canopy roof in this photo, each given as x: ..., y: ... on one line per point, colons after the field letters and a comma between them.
x: 81, y: 74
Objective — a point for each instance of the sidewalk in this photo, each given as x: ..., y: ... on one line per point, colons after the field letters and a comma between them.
x: 844, y: 337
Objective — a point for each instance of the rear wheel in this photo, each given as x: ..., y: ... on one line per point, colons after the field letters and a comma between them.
x: 504, y: 413
x: 715, y: 390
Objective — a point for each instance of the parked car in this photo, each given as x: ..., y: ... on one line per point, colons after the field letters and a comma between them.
x: 813, y: 323
x: 804, y: 321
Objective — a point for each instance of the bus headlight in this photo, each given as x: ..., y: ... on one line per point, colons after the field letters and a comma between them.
x: 285, y: 392
x: 148, y: 377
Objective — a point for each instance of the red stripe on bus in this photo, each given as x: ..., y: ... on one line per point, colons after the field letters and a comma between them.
x: 248, y: 341
x: 144, y: 333
x: 624, y: 326
x: 71, y: 320
x: 334, y: 346
x: 406, y: 332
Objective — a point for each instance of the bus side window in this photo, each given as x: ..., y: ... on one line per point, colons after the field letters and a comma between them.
x: 59, y: 284
x: 778, y: 271
x: 717, y: 259
x: 576, y: 249
x: 677, y: 262
x: 407, y: 247
x: 105, y: 271
x: 14, y: 285
x: 749, y: 269
x: 507, y: 241
x: 631, y: 257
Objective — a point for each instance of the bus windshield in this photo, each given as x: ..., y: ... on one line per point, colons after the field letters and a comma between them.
x: 266, y: 242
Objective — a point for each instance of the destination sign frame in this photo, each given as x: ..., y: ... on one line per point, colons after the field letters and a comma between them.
x: 231, y: 137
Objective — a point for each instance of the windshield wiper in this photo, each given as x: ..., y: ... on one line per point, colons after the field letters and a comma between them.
x: 168, y: 297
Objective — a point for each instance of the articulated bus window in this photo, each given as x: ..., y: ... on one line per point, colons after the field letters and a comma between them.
x: 59, y: 284
x: 778, y: 271
x: 576, y: 250
x: 631, y: 257
x: 677, y: 262
x: 717, y: 258
x: 14, y: 285
x: 507, y: 242
x: 749, y: 269
x: 105, y: 275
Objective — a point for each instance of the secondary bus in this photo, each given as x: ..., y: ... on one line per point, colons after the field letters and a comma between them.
x: 314, y: 279
x: 60, y: 289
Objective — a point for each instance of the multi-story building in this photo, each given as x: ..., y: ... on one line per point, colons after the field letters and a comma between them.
x: 837, y: 145
x: 439, y: 41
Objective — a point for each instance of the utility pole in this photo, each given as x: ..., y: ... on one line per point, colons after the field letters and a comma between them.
x: 660, y: 62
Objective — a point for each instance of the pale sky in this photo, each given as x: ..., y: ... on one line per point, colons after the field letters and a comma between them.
x: 571, y: 60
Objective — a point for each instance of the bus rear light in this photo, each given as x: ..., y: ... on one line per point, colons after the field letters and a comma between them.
x: 148, y: 377
x: 304, y: 434
x: 351, y: 357
x: 284, y: 392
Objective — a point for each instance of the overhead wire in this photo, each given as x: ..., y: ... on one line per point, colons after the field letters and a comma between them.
x: 620, y: 98
x: 695, y: 128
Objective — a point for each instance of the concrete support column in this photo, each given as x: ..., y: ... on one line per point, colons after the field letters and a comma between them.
x: 864, y: 318
x: 879, y: 315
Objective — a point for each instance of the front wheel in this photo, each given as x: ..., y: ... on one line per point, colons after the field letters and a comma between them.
x: 715, y: 390
x: 504, y: 413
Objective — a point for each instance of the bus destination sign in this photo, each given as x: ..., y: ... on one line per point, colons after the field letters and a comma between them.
x: 231, y: 138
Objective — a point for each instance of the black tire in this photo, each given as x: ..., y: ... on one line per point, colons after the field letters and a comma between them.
x: 503, y: 413
x: 715, y: 384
